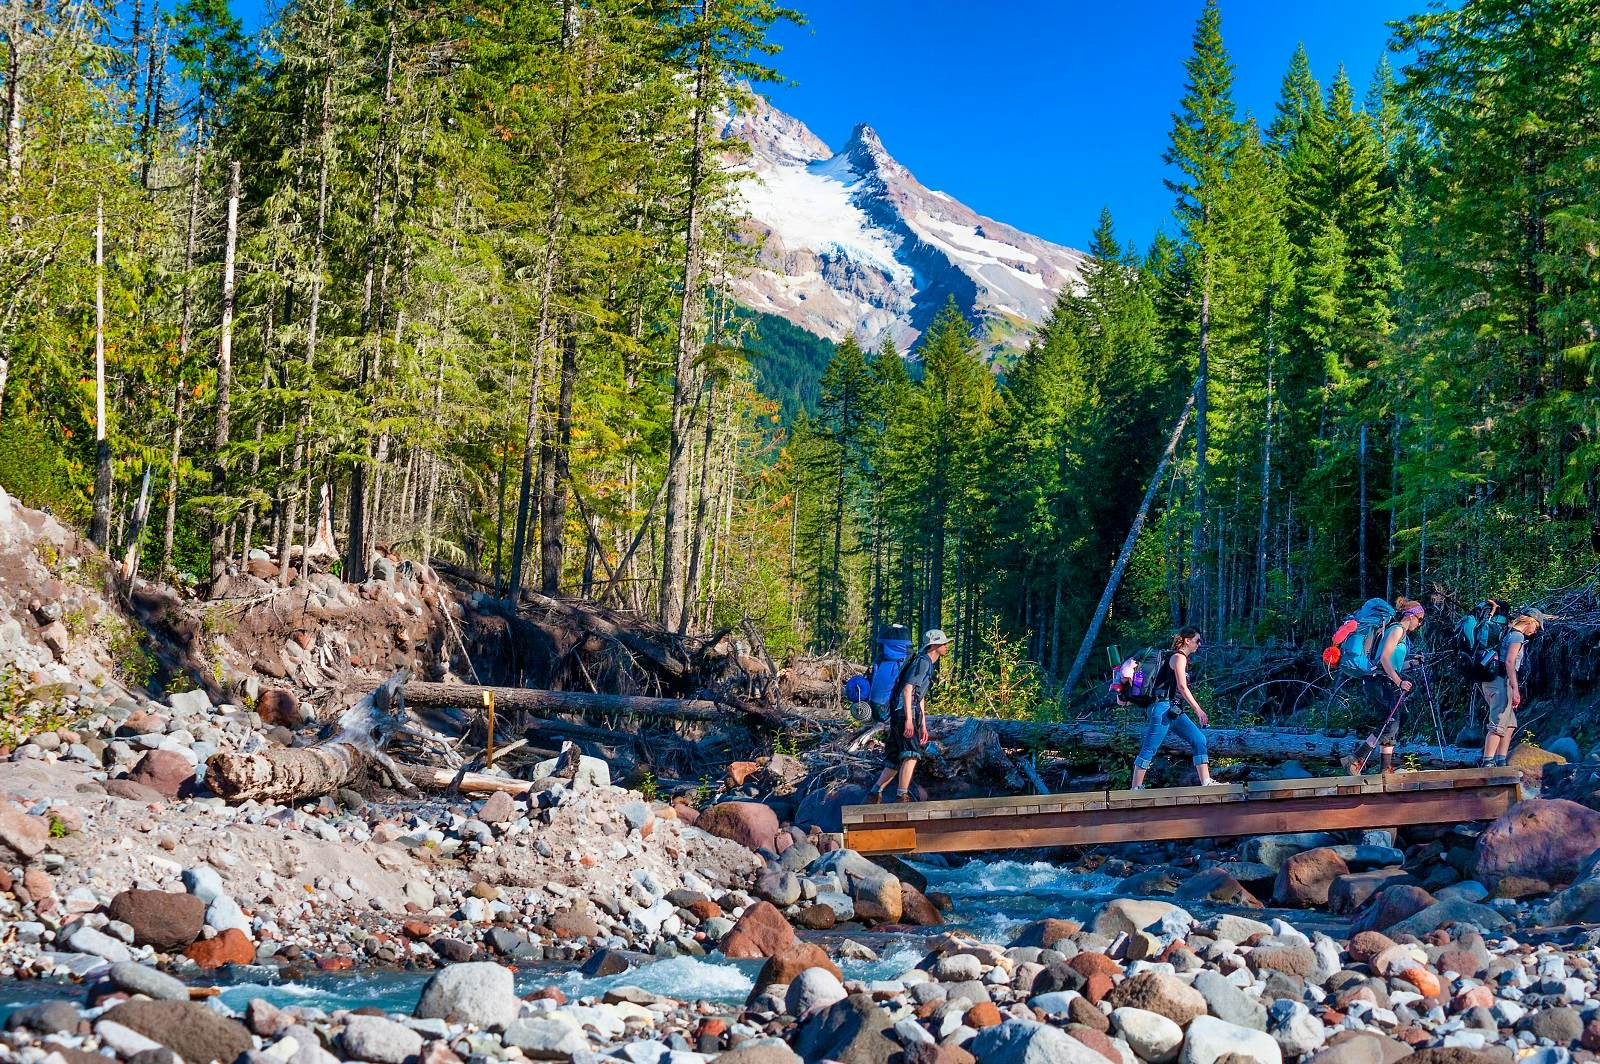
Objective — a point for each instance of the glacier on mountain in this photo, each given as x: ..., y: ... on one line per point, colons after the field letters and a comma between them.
x: 853, y: 244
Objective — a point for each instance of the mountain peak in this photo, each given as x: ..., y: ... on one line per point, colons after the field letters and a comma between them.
x: 854, y: 245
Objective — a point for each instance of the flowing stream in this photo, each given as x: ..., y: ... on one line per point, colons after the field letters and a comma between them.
x: 992, y: 900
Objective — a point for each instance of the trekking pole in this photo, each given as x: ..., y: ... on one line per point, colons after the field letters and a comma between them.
x: 1433, y: 707
x: 1359, y: 765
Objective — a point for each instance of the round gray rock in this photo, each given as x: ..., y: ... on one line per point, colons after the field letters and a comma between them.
x: 480, y: 993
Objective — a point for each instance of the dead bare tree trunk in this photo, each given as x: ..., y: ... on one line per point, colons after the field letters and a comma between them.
x: 1076, y: 671
x: 100, y: 523
x: 280, y: 775
x: 219, y: 439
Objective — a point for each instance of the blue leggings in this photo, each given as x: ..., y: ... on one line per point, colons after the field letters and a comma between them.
x: 1156, y: 726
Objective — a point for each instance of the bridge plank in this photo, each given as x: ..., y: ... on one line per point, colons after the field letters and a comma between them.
x: 1286, y: 811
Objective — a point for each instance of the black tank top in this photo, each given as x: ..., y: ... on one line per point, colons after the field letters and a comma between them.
x: 1166, y: 677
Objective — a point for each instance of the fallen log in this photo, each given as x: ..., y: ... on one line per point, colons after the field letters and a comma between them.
x: 280, y: 775
x: 549, y: 703
x: 1264, y: 744
x: 470, y: 782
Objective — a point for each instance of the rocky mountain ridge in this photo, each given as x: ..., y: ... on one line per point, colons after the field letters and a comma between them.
x: 853, y: 244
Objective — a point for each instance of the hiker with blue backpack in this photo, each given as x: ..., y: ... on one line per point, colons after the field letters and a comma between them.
x: 1498, y: 671
x: 894, y: 647
x: 905, y: 740
x: 1169, y: 673
x: 1372, y: 646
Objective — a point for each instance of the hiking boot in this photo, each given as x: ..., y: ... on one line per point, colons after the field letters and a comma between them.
x: 1213, y: 783
x: 903, y: 796
x: 876, y: 798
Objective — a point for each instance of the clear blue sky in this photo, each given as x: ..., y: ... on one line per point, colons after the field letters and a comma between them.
x: 1040, y: 112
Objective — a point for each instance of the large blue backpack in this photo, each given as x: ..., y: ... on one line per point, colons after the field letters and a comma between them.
x: 894, y: 648
x: 1358, y: 636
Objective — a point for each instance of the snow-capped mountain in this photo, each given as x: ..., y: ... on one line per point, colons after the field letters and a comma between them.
x: 856, y: 245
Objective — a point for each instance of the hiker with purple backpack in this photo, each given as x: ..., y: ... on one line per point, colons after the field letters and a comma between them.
x: 1382, y: 686
x: 1164, y: 713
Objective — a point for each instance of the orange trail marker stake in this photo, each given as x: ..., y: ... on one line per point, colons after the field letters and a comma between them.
x: 488, y: 706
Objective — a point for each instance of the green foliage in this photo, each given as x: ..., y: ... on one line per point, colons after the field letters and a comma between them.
x: 1002, y: 683
x: 648, y: 785
x: 23, y: 716
x: 35, y: 469
x: 788, y: 363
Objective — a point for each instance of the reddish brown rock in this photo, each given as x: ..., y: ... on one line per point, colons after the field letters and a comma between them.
x: 36, y: 884
x: 21, y: 834
x: 1538, y: 846
x: 1096, y: 987
x: 1460, y: 961
x: 916, y: 909
x: 1391, y: 905
x: 705, y: 908
x: 1365, y: 945
x: 984, y: 1014
x: 230, y: 947
x: 417, y: 929
x: 748, y: 823
x: 1043, y: 934
x: 1090, y: 964
x: 573, y: 923
x: 168, y: 921
x: 739, y: 771
x: 1081, y: 1012
x: 133, y: 792
x: 784, y: 965
x: 336, y: 963
x: 816, y: 917
x: 168, y: 773
x: 1096, y: 1040
x: 760, y: 932
x: 279, y: 708
x: 1305, y: 879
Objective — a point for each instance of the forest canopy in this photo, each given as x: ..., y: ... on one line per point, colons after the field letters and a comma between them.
x: 469, y: 268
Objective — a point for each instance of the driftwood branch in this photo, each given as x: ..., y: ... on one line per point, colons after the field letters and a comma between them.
x: 342, y: 759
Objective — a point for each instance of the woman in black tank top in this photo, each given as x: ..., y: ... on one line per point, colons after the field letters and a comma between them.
x: 1166, y: 713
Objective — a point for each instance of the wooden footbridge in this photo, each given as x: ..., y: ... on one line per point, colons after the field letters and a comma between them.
x: 1266, y: 808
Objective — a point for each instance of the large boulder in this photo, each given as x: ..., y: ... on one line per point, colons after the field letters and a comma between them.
x: 1215, y: 884
x: 875, y: 893
x: 480, y: 993
x: 1538, y: 846
x: 164, y: 921
x: 760, y: 932
x: 1227, y: 1002
x: 1127, y: 915
x: 379, y: 1039
x: 813, y: 989
x: 188, y: 1028
x: 749, y: 823
x: 1390, y: 906
x: 788, y: 963
x: 1304, y: 879
x: 1456, y: 912
x: 1151, y: 1036
x: 168, y: 773
x: 1043, y: 934
x: 1209, y: 1040
x: 1029, y: 1042
x: 823, y: 808
x: 852, y: 1031
x: 1159, y: 993
x: 1274, y: 850
x: 21, y: 834
x: 1351, y: 892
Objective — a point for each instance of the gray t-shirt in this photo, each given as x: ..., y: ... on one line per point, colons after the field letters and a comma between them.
x: 1513, y: 638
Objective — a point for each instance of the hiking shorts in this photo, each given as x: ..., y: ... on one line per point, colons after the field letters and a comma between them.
x: 1381, y: 695
x: 1502, y: 718
x: 897, y: 748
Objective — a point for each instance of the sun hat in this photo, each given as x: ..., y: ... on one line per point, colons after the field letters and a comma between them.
x: 934, y: 637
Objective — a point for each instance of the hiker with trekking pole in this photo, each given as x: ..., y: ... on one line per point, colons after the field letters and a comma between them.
x: 1168, y: 681
x: 1382, y: 686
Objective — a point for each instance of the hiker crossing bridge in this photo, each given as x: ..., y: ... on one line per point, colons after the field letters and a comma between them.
x: 1268, y: 807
